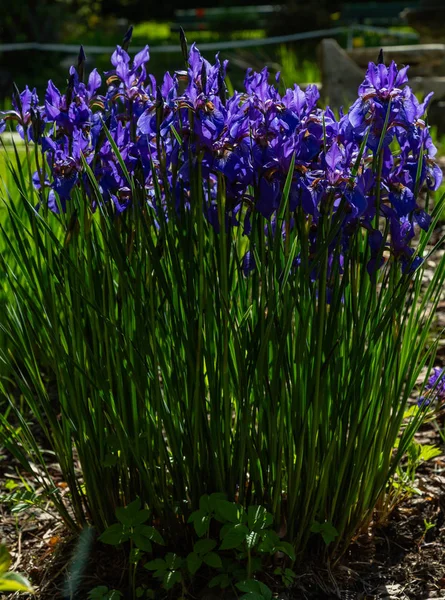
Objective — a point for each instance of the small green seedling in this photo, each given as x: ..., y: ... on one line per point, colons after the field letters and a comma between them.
x: 167, y: 570
x: 131, y: 527
x: 327, y: 531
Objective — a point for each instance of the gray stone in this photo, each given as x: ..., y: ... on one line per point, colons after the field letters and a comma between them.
x: 423, y: 59
x: 340, y: 75
x: 424, y: 85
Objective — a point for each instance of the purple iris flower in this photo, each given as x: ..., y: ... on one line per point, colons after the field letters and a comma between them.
x: 23, y: 106
x: 247, y: 142
x: 435, y: 388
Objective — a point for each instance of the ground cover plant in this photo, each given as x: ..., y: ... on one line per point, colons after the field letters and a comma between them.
x: 9, y: 581
x: 213, y: 309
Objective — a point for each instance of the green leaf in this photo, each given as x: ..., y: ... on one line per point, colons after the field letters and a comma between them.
x: 222, y: 580
x: 269, y: 542
x: 156, y: 565
x: 98, y: 593
x: 142, y: 542
x: 5, y: 559
x: 150, y: 533
x: 258, y: 518
x: 213, y: 560
x: 227, y: 511
x: 201, y: 521
x: 252, y: 539
x: 13, y: 582
x: 327, y: 530
x: 141, y: 517
x: 215, y: 498
x: 204, y: 504
x: 329, y: 534
x: 255, y: 589
x: 427, y: 452
x: 204, y: 546
x: 173, y: 561
x: 128, y: 515
x: 288, y: 549
x: 171, y: 578
x: 114, y: 535
x: 193, y: 562
x: 249, y: 585
x: 234, y: 537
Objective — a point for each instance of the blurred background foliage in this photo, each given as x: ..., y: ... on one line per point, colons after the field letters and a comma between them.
x: 103, y: 23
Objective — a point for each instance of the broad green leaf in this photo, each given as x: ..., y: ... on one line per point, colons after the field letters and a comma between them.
x: 258, y: 518
x: 150, y: 533
x: 101, y: 592
x: 204, y: 504
x: 5, y: 559
x: 215, y: 498
x: 142, y: 542
x: 201, y: 521
x: 228, y: 511
x: 141, y: 517
x: 255, y: 589
x: 427, y: 452
x: 13, y: 582
x: 128, y: 515
x: 327, y: 531
x: 316, y: 527
x: 288, y: 549
x: 156, y: 565
x: 173, y: 561
x: 114, y: 535
x: 204, y: 546
x: 249, y: 585
x: 193, y: 562
x: 269, y: 541
x: 212, y: 560
x: 252, y: 539
x: 171, y: 578
x: 222, y: 580
x: 234, y: 537
x: 98, y: 592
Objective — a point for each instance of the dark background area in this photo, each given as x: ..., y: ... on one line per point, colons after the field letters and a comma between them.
x: 103, y: 23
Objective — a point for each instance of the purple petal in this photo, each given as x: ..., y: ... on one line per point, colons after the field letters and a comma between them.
x: 141, y: 58
x: 333, y: 156
x: 94, y: 82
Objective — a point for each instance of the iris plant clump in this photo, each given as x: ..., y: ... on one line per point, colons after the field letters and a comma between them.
x: 213, y: 292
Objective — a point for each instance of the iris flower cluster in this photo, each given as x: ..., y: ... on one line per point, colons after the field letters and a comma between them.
x: 434, y: 389
x: 367, y: 164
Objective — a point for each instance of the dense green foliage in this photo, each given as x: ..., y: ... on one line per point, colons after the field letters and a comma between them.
x: 148, y: 357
